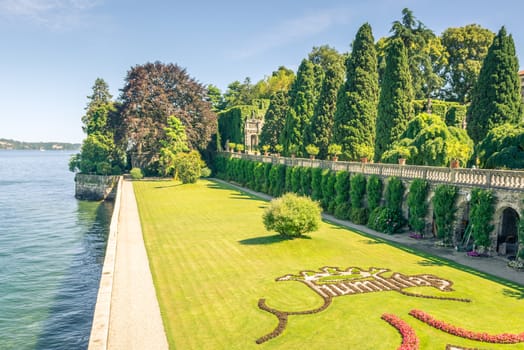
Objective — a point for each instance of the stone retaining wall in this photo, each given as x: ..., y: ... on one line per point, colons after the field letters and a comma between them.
x: 95, y: 187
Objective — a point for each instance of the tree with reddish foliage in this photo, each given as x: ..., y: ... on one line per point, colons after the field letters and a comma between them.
x: 152, y: 93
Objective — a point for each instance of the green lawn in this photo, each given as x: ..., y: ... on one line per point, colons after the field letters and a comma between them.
x: 212, y: 260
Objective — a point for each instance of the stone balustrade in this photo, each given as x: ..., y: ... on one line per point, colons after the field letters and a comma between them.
x: 487, y: 178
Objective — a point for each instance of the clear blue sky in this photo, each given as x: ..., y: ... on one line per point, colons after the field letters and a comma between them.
x: 53, y: 50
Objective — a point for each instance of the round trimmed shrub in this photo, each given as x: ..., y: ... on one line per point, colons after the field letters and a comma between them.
x: 292, y: 215
x: 136, y: 174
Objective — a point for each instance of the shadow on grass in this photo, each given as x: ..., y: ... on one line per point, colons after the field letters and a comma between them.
x: 431, y: 262
x: 239, y: 193
x: 371, y: 241
x: 519, y: 295
x: 269, y: 239
x: 169, y: 186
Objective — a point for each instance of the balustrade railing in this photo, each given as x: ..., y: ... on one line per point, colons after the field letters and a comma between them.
x: 502, y: 179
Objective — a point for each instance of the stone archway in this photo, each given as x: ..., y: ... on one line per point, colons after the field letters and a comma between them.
x: 461, y: 237
x: 507, y: 237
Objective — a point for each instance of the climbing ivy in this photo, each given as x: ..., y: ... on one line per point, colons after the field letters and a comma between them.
x: 482, y: 209
x: 417, y: 204
x: 444, y: 209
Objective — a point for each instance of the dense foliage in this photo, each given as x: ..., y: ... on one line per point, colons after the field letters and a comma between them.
x: 292, y: 215
x: 374, y: 192
x: 417, y: 204
x: 466, y: 48
x: 503, y: 147
x: 356, y: 113
x: 359, y: 214
x: 444, y: 209
x: 98, y: 153
x: 302, y: 101
x: 319, y: 131
x: 274, y: 120
x: 496, y: 97
x: 427, y: 140
x: 395, y: 102
x: 482, y: 209
x: 175, y: 142
x: 154, y: 91
x: 342, y: 186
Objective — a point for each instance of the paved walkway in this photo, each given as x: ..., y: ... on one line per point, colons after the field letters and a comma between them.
x: 495, y: 266
x: 135, y: 321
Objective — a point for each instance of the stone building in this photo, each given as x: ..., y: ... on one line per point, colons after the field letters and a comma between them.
x: 252, y: 130
x: 521, y: 76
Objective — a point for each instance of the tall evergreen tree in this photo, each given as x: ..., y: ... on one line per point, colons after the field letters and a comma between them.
x: 424, y: 52
x: 496, y: 97
x: 319, y: 132
x: 303, y: 96
x: 357, y: 102
x: 395, y: 106
x: 275, y: 119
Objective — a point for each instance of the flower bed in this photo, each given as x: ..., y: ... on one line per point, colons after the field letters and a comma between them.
x: 409, y: 337
x: 504, y: 338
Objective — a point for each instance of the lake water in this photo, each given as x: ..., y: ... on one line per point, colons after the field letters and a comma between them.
x: 52, y: 249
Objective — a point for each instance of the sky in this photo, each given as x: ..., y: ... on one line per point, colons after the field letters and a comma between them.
x: 53, y: 50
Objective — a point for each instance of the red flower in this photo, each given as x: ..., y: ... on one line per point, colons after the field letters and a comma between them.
x: 409, y: 337
x: 504, y: 338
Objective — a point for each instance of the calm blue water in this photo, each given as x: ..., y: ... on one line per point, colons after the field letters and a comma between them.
x: 51, y: 253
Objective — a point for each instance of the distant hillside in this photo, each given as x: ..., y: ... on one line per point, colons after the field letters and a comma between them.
x: 47, y: 146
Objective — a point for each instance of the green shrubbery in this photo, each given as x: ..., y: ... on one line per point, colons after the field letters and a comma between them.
x: 359, y: 214
x: 444, y: 208
x: 374, y: 192
x: 292, y: 215
x: 417, y: 204
x: 341, y: 206
x: 482, y: 209
x: 136, y: 174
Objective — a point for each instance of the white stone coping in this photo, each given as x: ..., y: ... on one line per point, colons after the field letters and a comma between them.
x: 100, y: 327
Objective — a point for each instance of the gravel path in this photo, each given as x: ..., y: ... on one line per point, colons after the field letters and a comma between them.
x: 135, y: 321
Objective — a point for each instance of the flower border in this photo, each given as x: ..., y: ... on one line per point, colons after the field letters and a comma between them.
x: 503, y: 338
x: 410, y: 340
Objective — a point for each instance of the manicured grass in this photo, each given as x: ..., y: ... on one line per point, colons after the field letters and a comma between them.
x: 212, y: 260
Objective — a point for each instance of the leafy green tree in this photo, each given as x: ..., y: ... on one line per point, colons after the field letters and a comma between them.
x: 275, y: 119
x: 503, y: 147
x: 98, y: 154
x: 496, y: 98
x: 215, y: 97
x: 280, y: 80
x: 292, y: 215
x: 95, y: 155
x: 303, y: 97
x: 395, y: 102
x: 466, y: 48
x: 153, y: 92
x: 188, y: 166
x: 356, y: 109
x: 424, y: 51
x: 238, y: 93
x: 174, y: 143
x: 429, y: 141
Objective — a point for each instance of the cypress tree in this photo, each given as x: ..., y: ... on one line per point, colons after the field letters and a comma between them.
x: 302, y: 99
x: 496, y: 97
x: 319, y: 131
x: 356, y: 112
x: 274, y: 119
x: 395, y: 107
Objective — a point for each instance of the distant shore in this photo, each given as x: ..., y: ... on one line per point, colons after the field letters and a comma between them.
x: 6, y: 144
